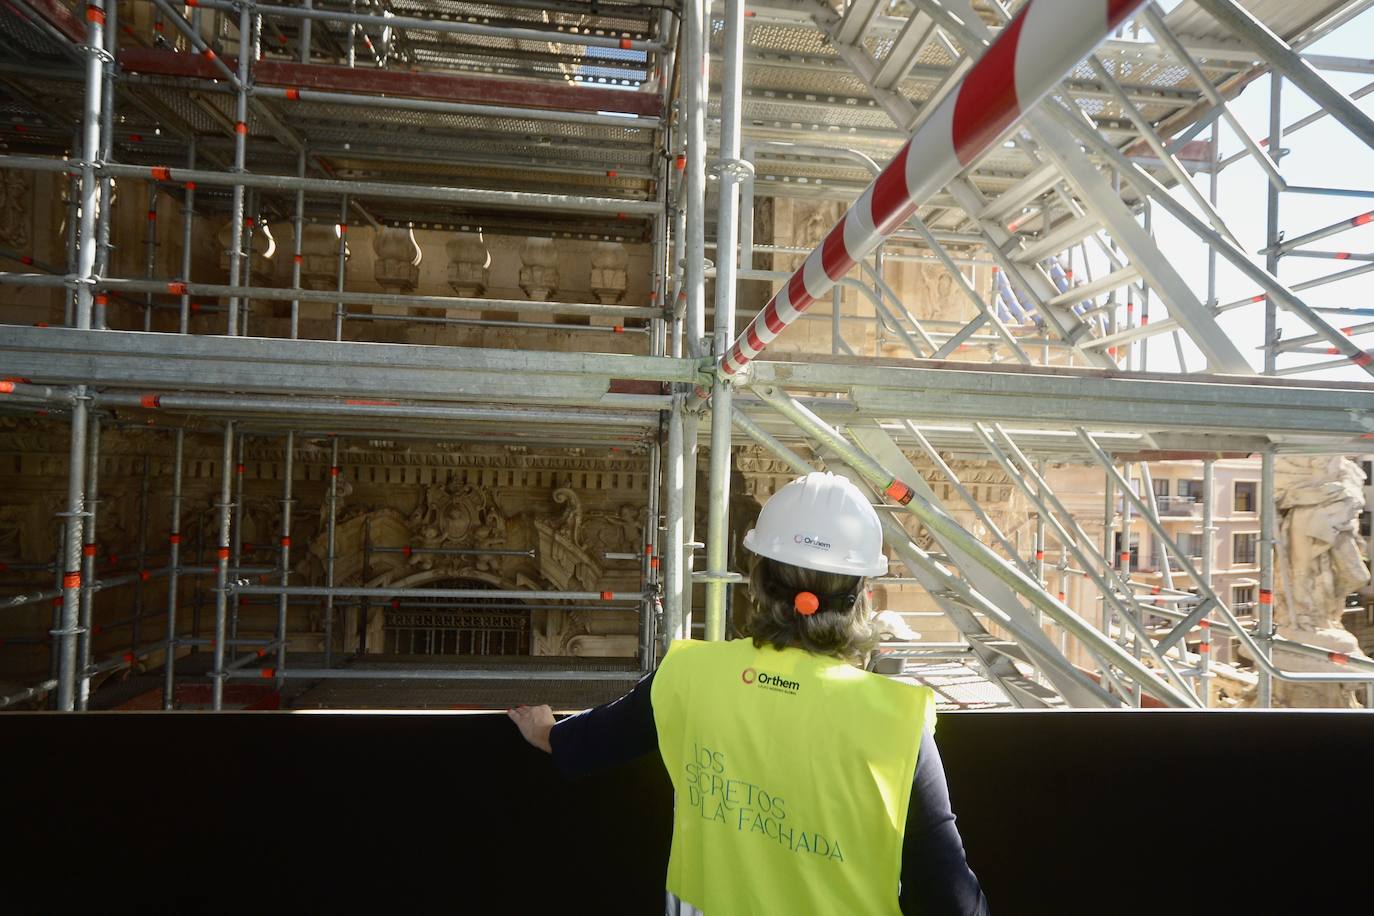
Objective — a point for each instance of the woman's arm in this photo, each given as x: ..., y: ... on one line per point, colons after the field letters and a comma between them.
x: 607, y: 735
x: 936, y: 879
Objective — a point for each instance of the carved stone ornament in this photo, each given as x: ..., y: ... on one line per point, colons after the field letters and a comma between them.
x: 16, y: 207
x: 609, y: 279
x: 469, y: 265
x: 397, y: 267
x: 539, y: 275
x: 1318, y: 499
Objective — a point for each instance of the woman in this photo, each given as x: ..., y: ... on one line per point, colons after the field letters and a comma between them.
x: 803, y: 783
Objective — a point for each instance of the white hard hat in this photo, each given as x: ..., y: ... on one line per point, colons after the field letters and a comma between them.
x: 822, y: 522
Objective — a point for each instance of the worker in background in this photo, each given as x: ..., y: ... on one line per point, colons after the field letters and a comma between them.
x: 803, y: 783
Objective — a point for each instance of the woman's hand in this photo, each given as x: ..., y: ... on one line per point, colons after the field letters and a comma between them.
x: 535, y: 723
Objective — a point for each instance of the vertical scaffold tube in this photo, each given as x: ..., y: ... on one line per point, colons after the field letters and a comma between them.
x: 136, y: 631
x: 340, y: 270
x: 173, y: 573
x: 305, y: 33
x: 695, y: 72
x: 99, y: 317
x: 333, y: 499
x: 288, y: 469
x: 188, y: 218
x: 1031, y: 54
x: 89, y: 553
x: 236, y: 255
x: 68, y: 630
x: 1264, y: 617
x: 674, y: 540
x: 727, y: 233
x: 1208, y: 533
x: 236, y: 544
x: 218, y: 674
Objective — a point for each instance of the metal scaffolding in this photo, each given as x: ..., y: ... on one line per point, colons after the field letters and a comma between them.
x: 1020, y: 149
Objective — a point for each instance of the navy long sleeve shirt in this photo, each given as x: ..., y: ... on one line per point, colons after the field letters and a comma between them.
x: 936, y: 879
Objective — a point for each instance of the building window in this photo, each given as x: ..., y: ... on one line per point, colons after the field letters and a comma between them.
x: 1368, y: 468
x: 1190, y: 543
x: 1245, y: 496
x: 1243, y: 600
x: 1161, y: 486
x: 1243, y: 550
x: 1190, y: 489
x: 1364, y: 523
x: 1134, y: 550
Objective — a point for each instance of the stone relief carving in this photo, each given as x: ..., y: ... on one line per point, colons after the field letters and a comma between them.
x: 16, y: 216
x: 469, y: 264
x: 609, y: 278
x: 567, y: 543
x: 320, y: 256
x: 539, y: 275
x: 397, y: 266
x: 1318, y: 501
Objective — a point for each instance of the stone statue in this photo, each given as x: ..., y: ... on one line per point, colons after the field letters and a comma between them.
x: 469, y: 265
x: 397, y: 267
x: 1318, y: 500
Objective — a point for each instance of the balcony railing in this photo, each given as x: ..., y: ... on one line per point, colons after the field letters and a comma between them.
x: 1176, y: 505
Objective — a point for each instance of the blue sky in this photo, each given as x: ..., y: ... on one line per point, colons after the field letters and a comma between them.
x: 1323, y: 154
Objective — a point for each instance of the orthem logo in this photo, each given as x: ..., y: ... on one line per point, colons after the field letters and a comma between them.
x: 811, y: 540
x: 770, y: 681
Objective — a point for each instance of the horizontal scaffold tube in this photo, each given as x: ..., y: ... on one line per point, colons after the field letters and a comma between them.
x: 389, y: 20
x: 475, y: 196
x: 437, y: 674
x: 351, y: 591
x: 1035, y: 50
x: 178, y: 288
x: 460, y: 108
x: 331, y: 407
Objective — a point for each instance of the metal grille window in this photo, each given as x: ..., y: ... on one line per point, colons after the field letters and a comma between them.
x: 456, y: 626
x: 1243, y: 548
x: 1245, y: 496
x: 1243, y: 600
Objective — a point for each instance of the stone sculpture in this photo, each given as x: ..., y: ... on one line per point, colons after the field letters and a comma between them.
x: 1318, y: 501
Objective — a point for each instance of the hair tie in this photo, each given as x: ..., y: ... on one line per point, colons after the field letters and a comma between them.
x: 806, y: 603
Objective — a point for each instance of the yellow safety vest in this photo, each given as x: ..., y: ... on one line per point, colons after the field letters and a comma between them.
x: 792, y: 773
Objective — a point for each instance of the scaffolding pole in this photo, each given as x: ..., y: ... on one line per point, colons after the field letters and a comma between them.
x: 732, y: 169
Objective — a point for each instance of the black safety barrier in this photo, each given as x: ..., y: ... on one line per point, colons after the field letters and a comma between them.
x: 1078, y: 812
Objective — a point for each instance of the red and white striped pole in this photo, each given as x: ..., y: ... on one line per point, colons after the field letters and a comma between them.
x: 1035, y: 51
